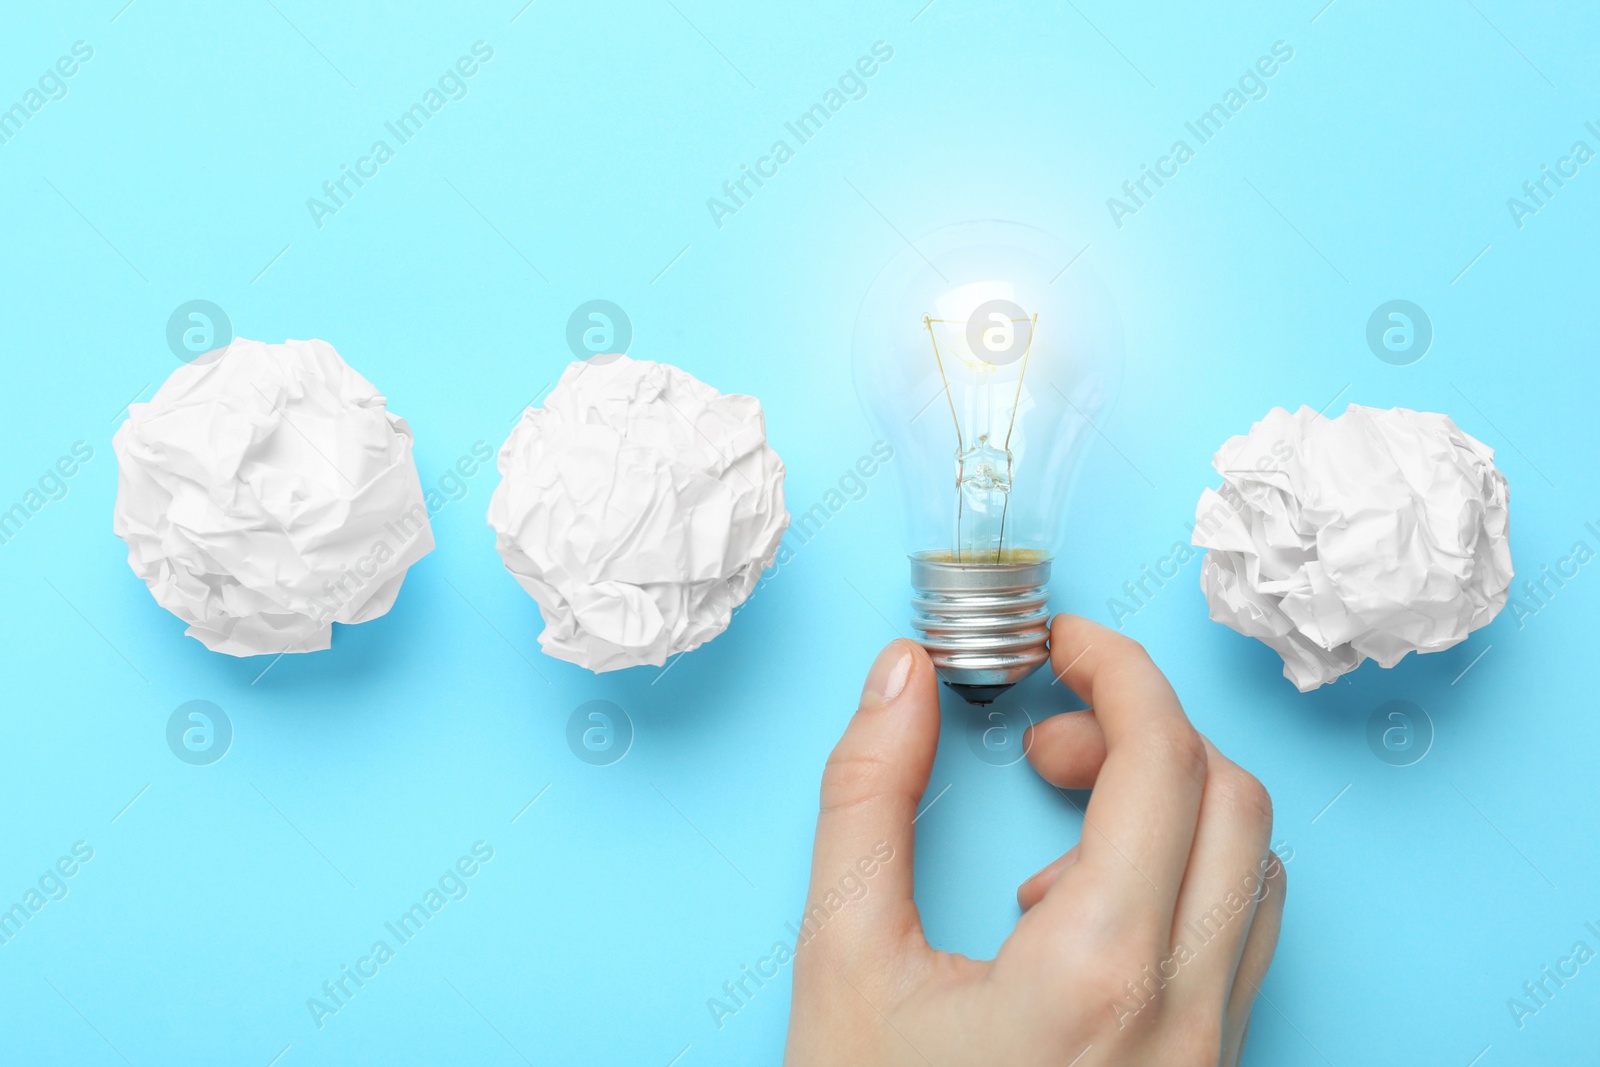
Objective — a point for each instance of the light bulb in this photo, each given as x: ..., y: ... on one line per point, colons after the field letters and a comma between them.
x: 986, y: 352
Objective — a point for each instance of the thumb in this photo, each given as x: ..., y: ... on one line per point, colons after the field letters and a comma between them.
x: 860, y: 905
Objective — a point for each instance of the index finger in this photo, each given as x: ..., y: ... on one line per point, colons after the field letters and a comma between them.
x: 1141, y: 817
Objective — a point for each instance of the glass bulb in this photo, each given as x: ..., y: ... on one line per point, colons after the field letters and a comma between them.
x: 986, y: 352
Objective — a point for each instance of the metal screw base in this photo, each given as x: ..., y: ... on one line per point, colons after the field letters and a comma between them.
x: 985, y: 625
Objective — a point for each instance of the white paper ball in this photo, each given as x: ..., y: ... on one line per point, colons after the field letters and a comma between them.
x: 638, y: 507
x: 1371, y: 535
x: 266, y: 493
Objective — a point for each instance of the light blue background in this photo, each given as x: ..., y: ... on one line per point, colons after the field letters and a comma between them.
x: 178, y: 167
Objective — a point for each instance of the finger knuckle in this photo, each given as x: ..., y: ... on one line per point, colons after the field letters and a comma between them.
x: 851, y: 777
x: 1244, y: 798
x: 1125, y: 652
x: 1182, y: 744
x: 1109, y: 976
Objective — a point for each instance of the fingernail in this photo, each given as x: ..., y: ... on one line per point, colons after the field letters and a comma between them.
x: 888, y: 675
x: 1059, y: 864
x: 1045, y: 876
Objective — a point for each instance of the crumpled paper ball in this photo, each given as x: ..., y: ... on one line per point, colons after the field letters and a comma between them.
x: 639, y: 507
x: 1369, y: 535
x: 266, y: 493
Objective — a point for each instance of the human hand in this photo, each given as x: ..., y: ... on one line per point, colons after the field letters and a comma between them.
x: 1144, y: 944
